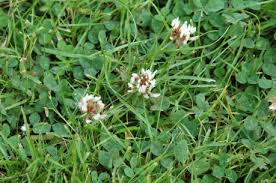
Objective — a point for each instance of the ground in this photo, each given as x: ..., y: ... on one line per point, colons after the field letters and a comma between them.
x: 211, y: 122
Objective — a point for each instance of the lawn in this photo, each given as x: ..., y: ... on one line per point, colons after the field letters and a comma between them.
x: 138, y: 91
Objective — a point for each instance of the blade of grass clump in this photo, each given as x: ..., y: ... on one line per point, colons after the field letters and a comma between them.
x: 131, y: 108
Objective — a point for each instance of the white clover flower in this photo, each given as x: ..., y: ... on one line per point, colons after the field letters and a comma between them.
x: 93, y: 107
x: 143, y: 83
x: 273, y: 104
x: 181, y: 34
x: 23, y: 128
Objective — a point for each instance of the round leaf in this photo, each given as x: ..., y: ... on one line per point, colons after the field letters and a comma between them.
x: 40, y: 128
x: 129, y: 172
x: 214, y: 5
x: 181, y: 151
x: 34, y: 118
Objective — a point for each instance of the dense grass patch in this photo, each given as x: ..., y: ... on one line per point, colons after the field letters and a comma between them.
x: 211, y: 122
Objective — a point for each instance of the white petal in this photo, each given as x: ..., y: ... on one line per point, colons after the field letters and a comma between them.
x: 83, y: 102
x: 99, y: 117
x: 96, y: 117
x: 133, y: 79
x: 146, y: 96
x: 138, y: 82
x: 100, y: 105
x: 88, y: 97
x: 148, y: 73
x: 152, y: 83
x: 194, y: 38
x: 184, y: 32
x: 185, y: 40
x: 153, y: 74
x: 85, y: 97
x: 88, y: 120
x: 83, y: 108
x: 96, y: 99
x: 103, y: 116
x: 130, y: 85
x: 155, y: 95
x: 175, y: 23
x: 23, y: 128
x: 192, y: 29
x: 272, y: 106
x: 134, y: 75
x: 142, y: 89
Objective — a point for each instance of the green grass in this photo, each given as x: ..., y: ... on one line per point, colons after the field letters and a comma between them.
x: 211, y: 123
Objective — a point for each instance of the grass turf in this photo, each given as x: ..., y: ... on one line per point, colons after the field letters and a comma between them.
x: 210, y: 124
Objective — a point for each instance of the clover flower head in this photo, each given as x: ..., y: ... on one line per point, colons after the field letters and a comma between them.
x: 273, y: 104
x: 93, y: 107
x: 143, y: 83
x: 181, y: 34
